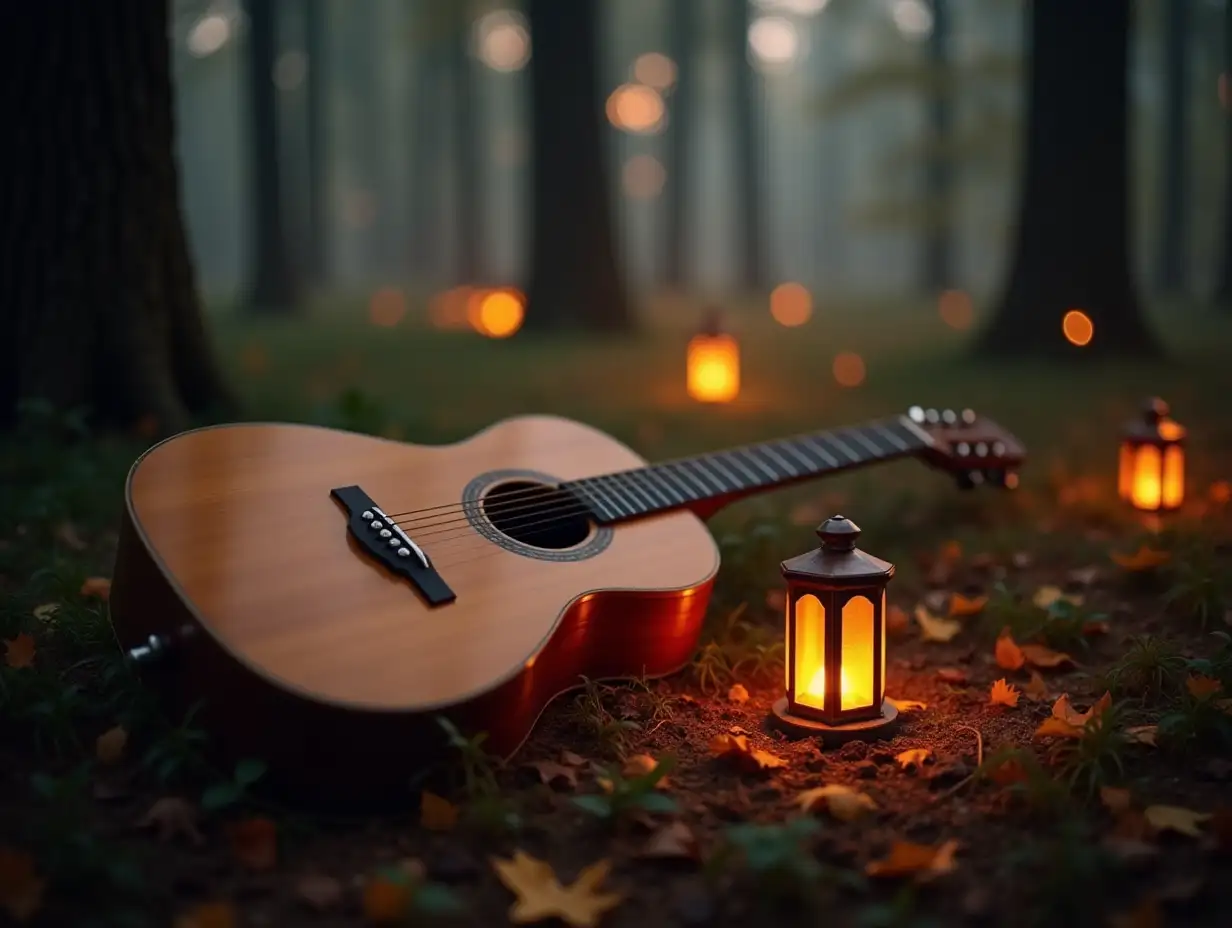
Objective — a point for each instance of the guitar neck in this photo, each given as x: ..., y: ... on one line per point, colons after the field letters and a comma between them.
x: 722, y: 475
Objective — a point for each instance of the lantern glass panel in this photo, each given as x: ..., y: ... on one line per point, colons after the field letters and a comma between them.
x: 810, y: 638
x: 858, y: 659
x: 1148, y: 468
x: 1174, y: 476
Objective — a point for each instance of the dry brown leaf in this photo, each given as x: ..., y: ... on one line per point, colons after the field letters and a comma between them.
x: 965, y: 606
x: 1045, y: 596
x: 437, y: 813
x: 913, y: 757
x: 673, y: 840
x: 19, y: 651
x: 21, y: 888
x: 923, y: 862
x: 952, y: 675
x: 950, y: 553
x: 843, y: 802
x: 1201, y: 687
x: 254, y: 843
x: 1037, y: 687
x: 551, y: 772
x: 172, y: 817
x: 1039, y: 656
x: 1003, y: 694
x: 1142, y: 734
x: 96, y: 588
x: 1143, y: 559
x: 109, y: 746
x: 541, y: 896
x: 1053, y: 727
x: 1085, y: 576
x: 906, y: 705
x: 319, y: 891
x: 1175, y: 818
x: 1062, y: 709
x: 208, y: 915
x: 1007, y: 772
x: 46, y: 612
x: 934, y: 629
x: 1007, y: 653
x: 1115, y: 799
x: 1219, y: 492
x: 1095, y: 627
x: 897, y: 619
x: 738, y: 693
x: 736, y: 749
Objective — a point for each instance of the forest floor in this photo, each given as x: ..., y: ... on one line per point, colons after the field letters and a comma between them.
x: 673, y: 802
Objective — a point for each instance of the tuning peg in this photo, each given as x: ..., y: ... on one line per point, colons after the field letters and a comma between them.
x: 916, y: 414
x: 968, y: 416
x: 949, y: 417
x: 932, y: 415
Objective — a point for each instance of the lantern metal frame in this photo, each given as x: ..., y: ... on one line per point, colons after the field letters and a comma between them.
x: 1154, y: 428
x: 836, y: 573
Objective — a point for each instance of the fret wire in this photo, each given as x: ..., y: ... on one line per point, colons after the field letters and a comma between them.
x: 593, y: 499
x: 687, y: 493
x: 718, y: 465
x: 859, y: 436
x: 631, y: 488
x: 842, y: 446
x: 706, y: 476
x: 705, y: 491
x: 669, y: 490
x: 815, y: 442
x: 786, y: 464
x: 791, y: 448
x: 593, y: 488
x: 644, y: 477
x: 898, y: 442
x: 731, y: 456
x: 758, y: 462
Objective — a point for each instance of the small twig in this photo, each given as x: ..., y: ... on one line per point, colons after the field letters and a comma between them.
x: 979, y: 762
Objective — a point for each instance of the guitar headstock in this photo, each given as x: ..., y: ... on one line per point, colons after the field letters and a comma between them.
x: 973, y: 448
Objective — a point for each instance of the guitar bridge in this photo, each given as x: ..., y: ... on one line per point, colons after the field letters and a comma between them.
x: 386, y: 542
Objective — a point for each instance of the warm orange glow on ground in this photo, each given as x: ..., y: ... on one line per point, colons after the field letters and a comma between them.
x: 956, y: 309
x: 849, y: 369
x: 1078, y: 328
x: 713, y: 374
x: 387, y: 307
x: 496, y: 313
x: 636, y: 108
x: 643, y: 177
x: 791, y: 304
x: 654, y: 69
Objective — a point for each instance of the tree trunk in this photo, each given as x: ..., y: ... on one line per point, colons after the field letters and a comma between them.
x: 316, y: 108
x: 1174, y: 192
x: 424, y: 251
x: 98, y: 306
x: 1223, y: 287
x: 747, y: 145
x: 676, y: 204
x: 574, y: 281
x: 468, y: 151
x: 937, y: 270
x: 274, y: 287
x: 1071, y: 249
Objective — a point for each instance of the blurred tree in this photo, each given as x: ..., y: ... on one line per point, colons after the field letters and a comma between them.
x: 1071, y: 246
x: 1174, y: 193
x: 680, y: 37
x: 574, y: 281
x: 428, y: 59
x: 316, y: 102
x: 274, y: 287
x: 98, y: 302
x: 747, y: 144
x: 938, y: 269
x: 364, y: 91
x: 468, y: 174
x: 1223, y: 286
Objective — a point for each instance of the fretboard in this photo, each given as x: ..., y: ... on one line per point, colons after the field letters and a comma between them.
x: 683, y: 482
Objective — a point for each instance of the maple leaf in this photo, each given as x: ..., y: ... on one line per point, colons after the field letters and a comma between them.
x: 1039, y: 656
x: 1045, y: 596
x: 736, y: 749
x: 913, y: 757
x: 1143, y: 559
x: 46, y: 612
x: 319, y: 891
x: 952, y: 675
x: 96, y: 588
x: 254, y: 842
x: 1175, y: 818
x: 208, y: 915
x: 437, y: 813
x: 1202, y: 688
x: 1006, y: 651
x: 1003, y: 694
x: 906, y: 705
x: 21, y: 888
x: 541, y: 896
x: 1067, y: 722
x: 964, y: 606
x: 1115, y: 799
x: 1037, y: 687
x: 172, y: 817
x: 19, y: 651
x: 109, y: 747
x: 922, y: 862
x: 738, y: 693
x: 843, y: 802
x: 551, y: 772
x: 934, y: 629
x: 673, y: 840
x: 897, y: 619
x: 1142, y: 734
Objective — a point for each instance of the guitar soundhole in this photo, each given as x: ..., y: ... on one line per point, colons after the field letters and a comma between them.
x: 536, y: 514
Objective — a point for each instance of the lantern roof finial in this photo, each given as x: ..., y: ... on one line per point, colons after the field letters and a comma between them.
x: 838, y: 533
x: 1155, y: 410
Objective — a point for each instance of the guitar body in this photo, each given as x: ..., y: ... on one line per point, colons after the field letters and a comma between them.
x: 303, y: 651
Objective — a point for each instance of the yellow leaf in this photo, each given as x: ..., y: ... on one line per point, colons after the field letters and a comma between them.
x: 1115, y: 799
x: 208, y: 915
x: 1062, y: 709
x: 1175, y: 818
x: 46, y: 612
x: 96, y: 588
x: 541, y: 896
x: 964, y: 606
x: 1057, y: 728
x: 737, y: 749
x: 109, y: 747
x: 922, y: 861
x: 1045, y: 596
x: 843, y: 802
x: 1009, y: 656
x: 934, y: 629
x: 1143, y: 559
x: 1036, y: 687
x: 913, y: 757
x: 19, y: 651
x: 1202, y: 688
x: 436, y: 813
x: 21, y: 889
x: 1039, y: 656
x: 254, y: 842
x: 1142, y: 734
x: 906, y: 705
x: 1003, y: 694
x: 738, y: 693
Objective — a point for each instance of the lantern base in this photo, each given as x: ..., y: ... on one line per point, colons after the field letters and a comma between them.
x: 863, y: 730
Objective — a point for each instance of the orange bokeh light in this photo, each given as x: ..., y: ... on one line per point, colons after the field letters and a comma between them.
x: 496, y: 313
x: 849, y: 369
x: 448, y: 310
x: 791, y: 304
x: 636, y: 108
x: 956, y: 309
x: 1077, y: 328
x: 643, y: 177
x: 654, y: 69
x: 387, y: 307
x: 713, y: 368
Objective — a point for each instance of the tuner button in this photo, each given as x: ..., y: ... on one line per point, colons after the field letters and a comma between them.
x: 367, y: 515
x: 915, y: 414
x: 404, y: 552
x: 385, y: 533
x: 932, y: 415
x: 998, y: 448
x: 376, y: 524
x: 981, y: 449
x: 949, y: 417
x: 963, y: 449
x: 394, y: 542
x: 968, y: 416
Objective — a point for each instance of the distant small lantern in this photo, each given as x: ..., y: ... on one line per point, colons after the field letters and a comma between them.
x: 835, y: 655
x: 713, y: 363
x: 1151, y: 474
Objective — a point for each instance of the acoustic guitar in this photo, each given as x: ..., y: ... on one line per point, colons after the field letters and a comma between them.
x: 321, y: 596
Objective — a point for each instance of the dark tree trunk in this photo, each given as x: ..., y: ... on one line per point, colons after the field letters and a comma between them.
x: 748, y: 143
x: 316, y: 107
x: 1223, y: 286
x: 425, y: 248
x: 574, y: 281
x: 468, y: 152
x: 274, y: 287
x: 1071, y: 249
x: 367, y: 144
x: 937, y: 270
x: 98, y: 305
x: 676, y: 204
x: 1174, y: 192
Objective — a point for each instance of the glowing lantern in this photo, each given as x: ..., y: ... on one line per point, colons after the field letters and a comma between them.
x: 835, y: 657
x: 713, y: 363
x: 1151, y: 475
